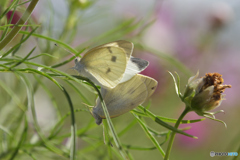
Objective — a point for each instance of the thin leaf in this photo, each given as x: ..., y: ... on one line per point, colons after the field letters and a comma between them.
x: 42, y: 54
x: 17, y: 28
x: 48, y: 145
x: 19, y: 44
x: 107, y: 140
x: 50, y: 95
x: 22, y: 139
x: 85, y: 100
x: 8, y: 9
x: 127, y: 128
x: 139, y: 113
x: 157, y: 120
x: 218, y: 120
x: 165, y: 119
x: 58, y: 125
x: 67, y: 61
x: 4, y: 129
x: 15, y: 51
x: 10, y: 20
x: 154, y: 141
x: 139, y: 148
x: 24, y: 25
x: 52, y: 40
x: 178, y: 84
x: 18, y: 63
x: 81, y: 132
x: 110, y: 125
x: 30, y: 154
x: 15, y: 97
x: 23, y: 3
x: 175, y: 84
x: 73, y: 126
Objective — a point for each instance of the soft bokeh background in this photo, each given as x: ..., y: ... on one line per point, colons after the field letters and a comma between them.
x: 173, y: 35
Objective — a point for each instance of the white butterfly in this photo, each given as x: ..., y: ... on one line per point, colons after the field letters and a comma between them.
x: 110, y: 64
x: 124, y: 97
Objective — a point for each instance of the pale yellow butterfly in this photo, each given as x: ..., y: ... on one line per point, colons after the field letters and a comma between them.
x: 124, y: 97
x: 110, y: 64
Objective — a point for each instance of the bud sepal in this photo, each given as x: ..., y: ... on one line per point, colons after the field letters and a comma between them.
x: 203, y: 94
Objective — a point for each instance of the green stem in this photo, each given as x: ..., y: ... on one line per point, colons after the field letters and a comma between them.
x: 18, y: 26
x: 170, y: 144
x: 73, y: 126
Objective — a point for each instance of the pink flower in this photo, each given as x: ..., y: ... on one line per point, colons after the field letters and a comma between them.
x: 15, y: 18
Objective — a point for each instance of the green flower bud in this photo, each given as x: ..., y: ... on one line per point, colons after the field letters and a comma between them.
x: 81, y: 4
x: 205, y: 93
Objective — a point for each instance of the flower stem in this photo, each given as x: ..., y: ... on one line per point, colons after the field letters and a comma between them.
x: 170, y: 144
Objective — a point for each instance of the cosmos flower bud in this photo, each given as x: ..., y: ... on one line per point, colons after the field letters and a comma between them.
x: 220, y: 14
x: 205, y: 93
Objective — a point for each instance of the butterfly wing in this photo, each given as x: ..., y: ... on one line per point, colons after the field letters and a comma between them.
x: 134, y: 66
x: 121, y: 99
x: 125, y: 45
x: 106, y: 65
x: 151, y: 84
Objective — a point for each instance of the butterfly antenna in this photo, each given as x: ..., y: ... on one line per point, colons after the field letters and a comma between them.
x: 65, y: 49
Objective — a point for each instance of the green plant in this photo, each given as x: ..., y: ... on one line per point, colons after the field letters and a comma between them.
x: 24, y: 72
